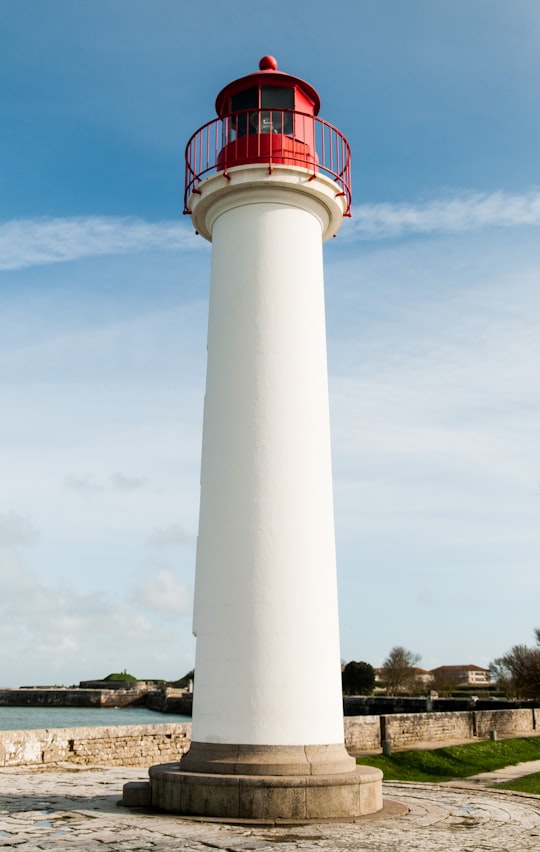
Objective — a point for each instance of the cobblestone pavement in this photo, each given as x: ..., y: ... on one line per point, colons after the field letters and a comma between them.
x: 77, y: 810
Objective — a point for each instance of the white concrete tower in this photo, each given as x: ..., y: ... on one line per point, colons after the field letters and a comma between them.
x: 267, y: 183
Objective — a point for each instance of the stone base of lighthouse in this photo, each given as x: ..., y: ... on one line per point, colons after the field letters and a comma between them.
x: 261, y: 784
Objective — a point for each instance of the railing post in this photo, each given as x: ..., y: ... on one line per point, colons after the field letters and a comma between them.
x: 324, y: 148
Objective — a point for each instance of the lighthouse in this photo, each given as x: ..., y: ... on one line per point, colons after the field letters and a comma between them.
x: 267, y: 183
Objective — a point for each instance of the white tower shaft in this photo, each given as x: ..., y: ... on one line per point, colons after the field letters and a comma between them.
x: 266, y: 619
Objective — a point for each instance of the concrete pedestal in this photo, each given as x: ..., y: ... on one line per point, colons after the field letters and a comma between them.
x: 260, y: 798
x: 261, y: 783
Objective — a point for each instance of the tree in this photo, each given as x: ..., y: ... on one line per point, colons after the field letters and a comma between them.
x: 517, y: 673
x: 399, y: 670
x: 183, y: 682
x: 358, y: 678
x: 445, y: 680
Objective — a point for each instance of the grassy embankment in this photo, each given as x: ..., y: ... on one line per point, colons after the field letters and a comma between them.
x: 445, y: 764
x: 526, y: 784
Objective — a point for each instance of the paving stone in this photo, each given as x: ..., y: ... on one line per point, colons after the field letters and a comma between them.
x: 64, y: 810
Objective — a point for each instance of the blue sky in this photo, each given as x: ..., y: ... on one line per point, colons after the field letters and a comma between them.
x: 433, y: 312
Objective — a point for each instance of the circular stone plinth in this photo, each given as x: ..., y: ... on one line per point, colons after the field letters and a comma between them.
x: 243, y: 759
x: 266, y: 797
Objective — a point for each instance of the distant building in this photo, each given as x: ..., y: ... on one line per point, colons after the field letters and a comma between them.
x: 464, y: 675
x: 422, y: 676
x: 443, y: 679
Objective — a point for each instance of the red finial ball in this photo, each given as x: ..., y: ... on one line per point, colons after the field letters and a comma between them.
x: 268, y: 63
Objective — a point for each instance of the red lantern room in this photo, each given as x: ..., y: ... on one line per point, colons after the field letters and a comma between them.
x: 268, y: 117
x: 268, y: 114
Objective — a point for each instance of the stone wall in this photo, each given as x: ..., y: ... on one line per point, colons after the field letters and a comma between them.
x: 93, y: 694
x: 506, y: 723
x: 145, y: 745
x: 404, y: 729
x: 362, y: 733
x: 73, y: 697
x: 122, y: 745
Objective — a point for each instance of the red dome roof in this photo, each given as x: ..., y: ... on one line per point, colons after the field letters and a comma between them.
x: 266, y: 75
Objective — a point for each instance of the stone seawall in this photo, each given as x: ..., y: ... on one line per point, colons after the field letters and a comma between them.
x: 122, y: 745
x: 73, y: 697
x: 145, y: 745
x: 140, y: 694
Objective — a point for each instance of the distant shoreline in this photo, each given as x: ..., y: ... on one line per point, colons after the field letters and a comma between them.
x: 162, y: 700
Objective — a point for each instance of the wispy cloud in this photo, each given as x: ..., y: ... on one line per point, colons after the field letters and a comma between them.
x: 164, y: 593
x: 16, y: 530
x: 118, y: 482
x: 121, y: 482
x: 171, y: 536
x: 32, y: 242
x: 452, y: 215
x: 53, y: 623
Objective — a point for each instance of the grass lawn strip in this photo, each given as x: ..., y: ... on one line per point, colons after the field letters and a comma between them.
x: 444, y: 764
x: 526, y: 784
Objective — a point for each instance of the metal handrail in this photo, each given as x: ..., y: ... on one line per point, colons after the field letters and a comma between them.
x: 274, y: 137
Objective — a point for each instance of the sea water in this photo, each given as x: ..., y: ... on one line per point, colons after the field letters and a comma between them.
x: 34, y: 718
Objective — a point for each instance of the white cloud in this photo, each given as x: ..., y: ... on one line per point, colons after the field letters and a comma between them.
x: 16, y: 530
x: 32, y: 242
x: 171, y: 536
x: 435, y: 389
x: 82, y: 485
x: 164, y: 593
x: 445, y: 383
x: 65, y: 633
x: 117, y: 482
x: 453, y: 215
x: 121, y: 482
x: 49, y: 615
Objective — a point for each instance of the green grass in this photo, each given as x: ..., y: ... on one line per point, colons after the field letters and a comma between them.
x: 526, y: 784
x: 443, y: 764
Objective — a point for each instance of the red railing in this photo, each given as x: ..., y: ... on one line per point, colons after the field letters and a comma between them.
x: 274, y: 137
